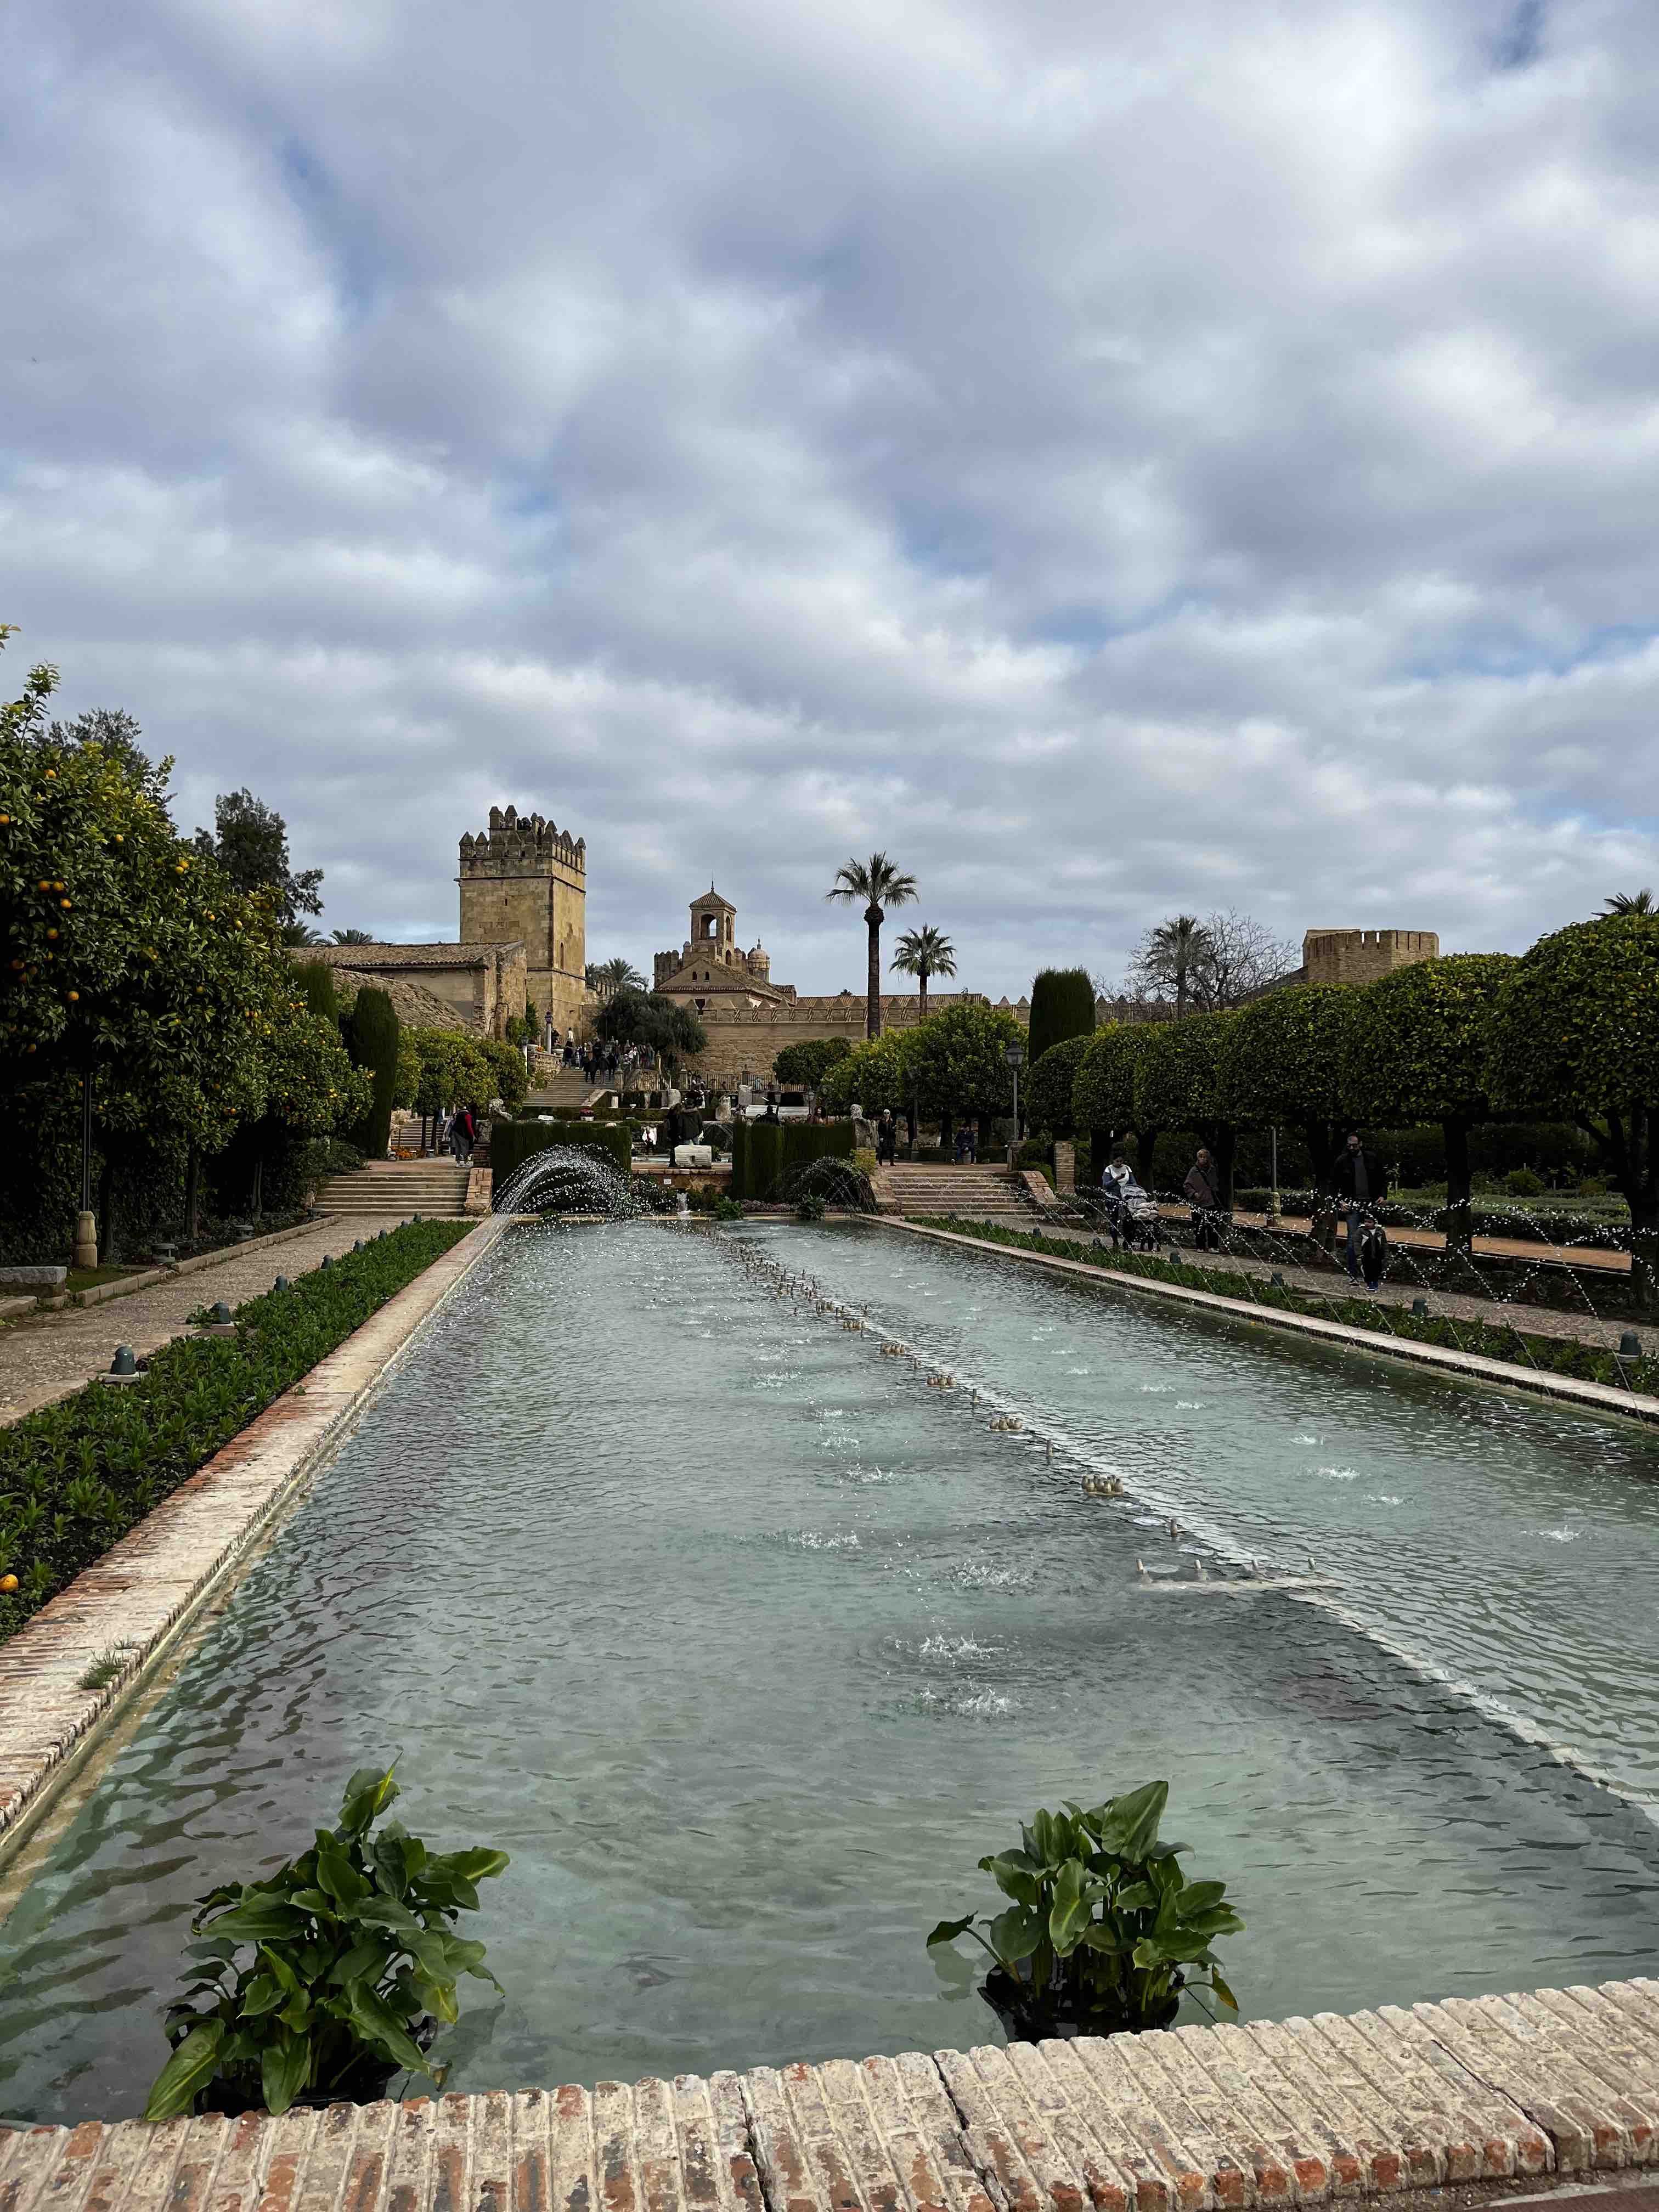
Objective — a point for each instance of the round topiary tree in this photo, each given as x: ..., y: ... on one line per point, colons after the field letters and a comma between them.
x: 1287, y: 1064
x: 1575, y: 1031
x: 1416, y: 1049
x: 1104, y: 1094
x: 956, y: 1061
x: 1182, y: 1082
x: 1062, y: 1005
x: 1049, y: 1085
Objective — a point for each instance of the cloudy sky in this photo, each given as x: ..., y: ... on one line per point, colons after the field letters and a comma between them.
x: 1117, y: 459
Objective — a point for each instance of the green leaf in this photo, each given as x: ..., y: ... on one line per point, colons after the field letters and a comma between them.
x: 1128, y: 1823
x: 336, y: 1873
x: 284, y: 2071
x: 367, y: 1794
x: 1014, y: 1876
x: 1075, y: 1897
x: 191, y: 2068
x: 386, y: 1912
x: 378, y: 2024
x: 1222, y: 1991
x: 1139, y: 1897
x: 1200, y: 1896
x: 264, y: 1994
x: 476, y: 1865
x: 258, y: 1920
x: 1014, y: 1935
x: 948, y: 1930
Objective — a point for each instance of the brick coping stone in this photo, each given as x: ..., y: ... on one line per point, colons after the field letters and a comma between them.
x: 1483, y: 2096
x: 1630, y: 1405
x: 133, y: 1602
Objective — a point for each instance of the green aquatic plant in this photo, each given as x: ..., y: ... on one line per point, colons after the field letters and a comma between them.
x: 348, y: 1954
x: 1103, y: 1932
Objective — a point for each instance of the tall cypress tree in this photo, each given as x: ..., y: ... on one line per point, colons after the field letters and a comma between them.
x: 316, y: 982
x: 371, y: 1038
x: 1062, y: 1005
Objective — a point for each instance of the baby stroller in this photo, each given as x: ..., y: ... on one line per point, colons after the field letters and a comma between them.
x: 1130, y: 1218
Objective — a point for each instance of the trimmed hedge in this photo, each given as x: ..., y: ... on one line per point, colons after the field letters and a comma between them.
x: 513, y: 1143
x: 764, y: 1154
x: 1555, y: 1355
x: 77, y: 1476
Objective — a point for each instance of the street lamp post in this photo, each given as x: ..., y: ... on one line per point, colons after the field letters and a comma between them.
x: 1015, y: 1056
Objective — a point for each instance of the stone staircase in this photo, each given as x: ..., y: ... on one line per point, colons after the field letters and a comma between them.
x: 397, y: 1189
x: 974, y: 1193
x: 563, y: 1090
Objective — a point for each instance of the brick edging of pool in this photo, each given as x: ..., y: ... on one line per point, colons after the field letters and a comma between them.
x: 1630, y: 1405
x: 1485, y: 2094
x: 140, y: 1594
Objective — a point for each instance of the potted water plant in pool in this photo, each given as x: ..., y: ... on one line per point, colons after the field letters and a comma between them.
x: 319, y: 1984
x: 1104, y: 1933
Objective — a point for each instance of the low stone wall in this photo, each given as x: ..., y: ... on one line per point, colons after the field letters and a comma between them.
x: 1483, y: 2094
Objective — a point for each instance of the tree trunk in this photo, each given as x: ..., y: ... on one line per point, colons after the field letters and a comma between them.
x: 872, y: 1002
x: 1460, y: 1227
x: 982, y: 1132
x: 947, y: 1133
x: 1100, y: 1151
x: 1631, y: 1150
x: 1321, y: 1150
x: 1146, y: 1145
x: 193, y: 1194
x: 259, y: 1187
x: 922, y: 979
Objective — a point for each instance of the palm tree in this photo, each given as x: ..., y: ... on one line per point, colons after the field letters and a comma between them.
x: 352, y: 936
x: 924, y: 952
x: 879, y: 884
x: 607, y: 977
x: 1630, y: 902
x: 1171, y: 952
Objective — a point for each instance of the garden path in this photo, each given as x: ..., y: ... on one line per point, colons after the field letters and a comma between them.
x: 44, y: 1357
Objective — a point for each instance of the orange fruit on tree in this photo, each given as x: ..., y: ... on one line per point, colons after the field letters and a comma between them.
x: 7, y: 1584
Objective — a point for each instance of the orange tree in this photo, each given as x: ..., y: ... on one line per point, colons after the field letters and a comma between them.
x: 126, y: 956
x: 1416, y: 1049
x: 1183, y: 1082
x: 955, y: 1065
x: 1287, y: 1064
x: 1575, y: 1030
x: 1104, y: 1094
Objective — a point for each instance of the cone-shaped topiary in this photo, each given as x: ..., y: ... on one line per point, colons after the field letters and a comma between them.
x: 1062, y: 1005
x: 371, y: 1037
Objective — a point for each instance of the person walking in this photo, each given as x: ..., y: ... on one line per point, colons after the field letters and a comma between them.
x: 1203, y: 1189
x: 1358, y: 1182
x: 887, y: 1137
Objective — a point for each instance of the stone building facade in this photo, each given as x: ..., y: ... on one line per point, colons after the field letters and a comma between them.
x: 1360, y: 955
x: 476, y: 987
x: 524, y: 881
x: 748, y: 1017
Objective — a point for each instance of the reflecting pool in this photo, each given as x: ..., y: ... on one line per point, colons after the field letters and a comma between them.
x: 746, y: 1645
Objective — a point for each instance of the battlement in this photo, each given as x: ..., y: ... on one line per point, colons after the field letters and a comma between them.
x: 521, y: 845
x: 1360, y: 955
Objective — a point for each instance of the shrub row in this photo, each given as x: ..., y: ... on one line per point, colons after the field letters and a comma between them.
x: 1554, y: 1225
x: 513, y: 1143
x: 77, y: 1476
x: 1554, y: 1354
x: 765, y: 1154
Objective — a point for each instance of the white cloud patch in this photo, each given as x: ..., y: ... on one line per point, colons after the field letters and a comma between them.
x: 1114, y: 462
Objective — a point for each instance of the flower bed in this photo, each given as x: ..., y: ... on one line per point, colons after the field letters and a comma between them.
x: 77, y: 1476
x: 1554, y: 1355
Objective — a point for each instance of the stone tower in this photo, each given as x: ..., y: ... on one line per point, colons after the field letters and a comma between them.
x: 1360, y: 955
x: 524, y: 879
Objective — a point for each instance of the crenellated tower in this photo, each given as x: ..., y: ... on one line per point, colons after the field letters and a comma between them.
x: 525, y: 879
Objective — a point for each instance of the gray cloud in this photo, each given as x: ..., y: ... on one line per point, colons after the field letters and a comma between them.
x: 1206, y: 460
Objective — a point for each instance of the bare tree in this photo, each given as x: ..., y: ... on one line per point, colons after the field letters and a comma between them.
x: 1185, y: 965
x: 1238, y: 959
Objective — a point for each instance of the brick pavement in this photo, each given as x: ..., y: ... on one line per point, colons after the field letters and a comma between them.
x: 1473, y: 2094
x: 47, y: 1356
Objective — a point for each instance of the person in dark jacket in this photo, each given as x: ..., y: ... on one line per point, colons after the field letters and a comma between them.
x: 1358, y: 1181
x: 1203, y: 1189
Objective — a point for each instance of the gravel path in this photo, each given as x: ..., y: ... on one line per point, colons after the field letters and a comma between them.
x: 1588, y: 1328
x: 44, y: 1357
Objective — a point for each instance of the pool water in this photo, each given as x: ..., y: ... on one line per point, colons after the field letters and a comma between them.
x: 746, y: 1645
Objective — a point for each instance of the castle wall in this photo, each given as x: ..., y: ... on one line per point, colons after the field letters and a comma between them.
x: 743, y: 1042
x: 1360, y: 955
